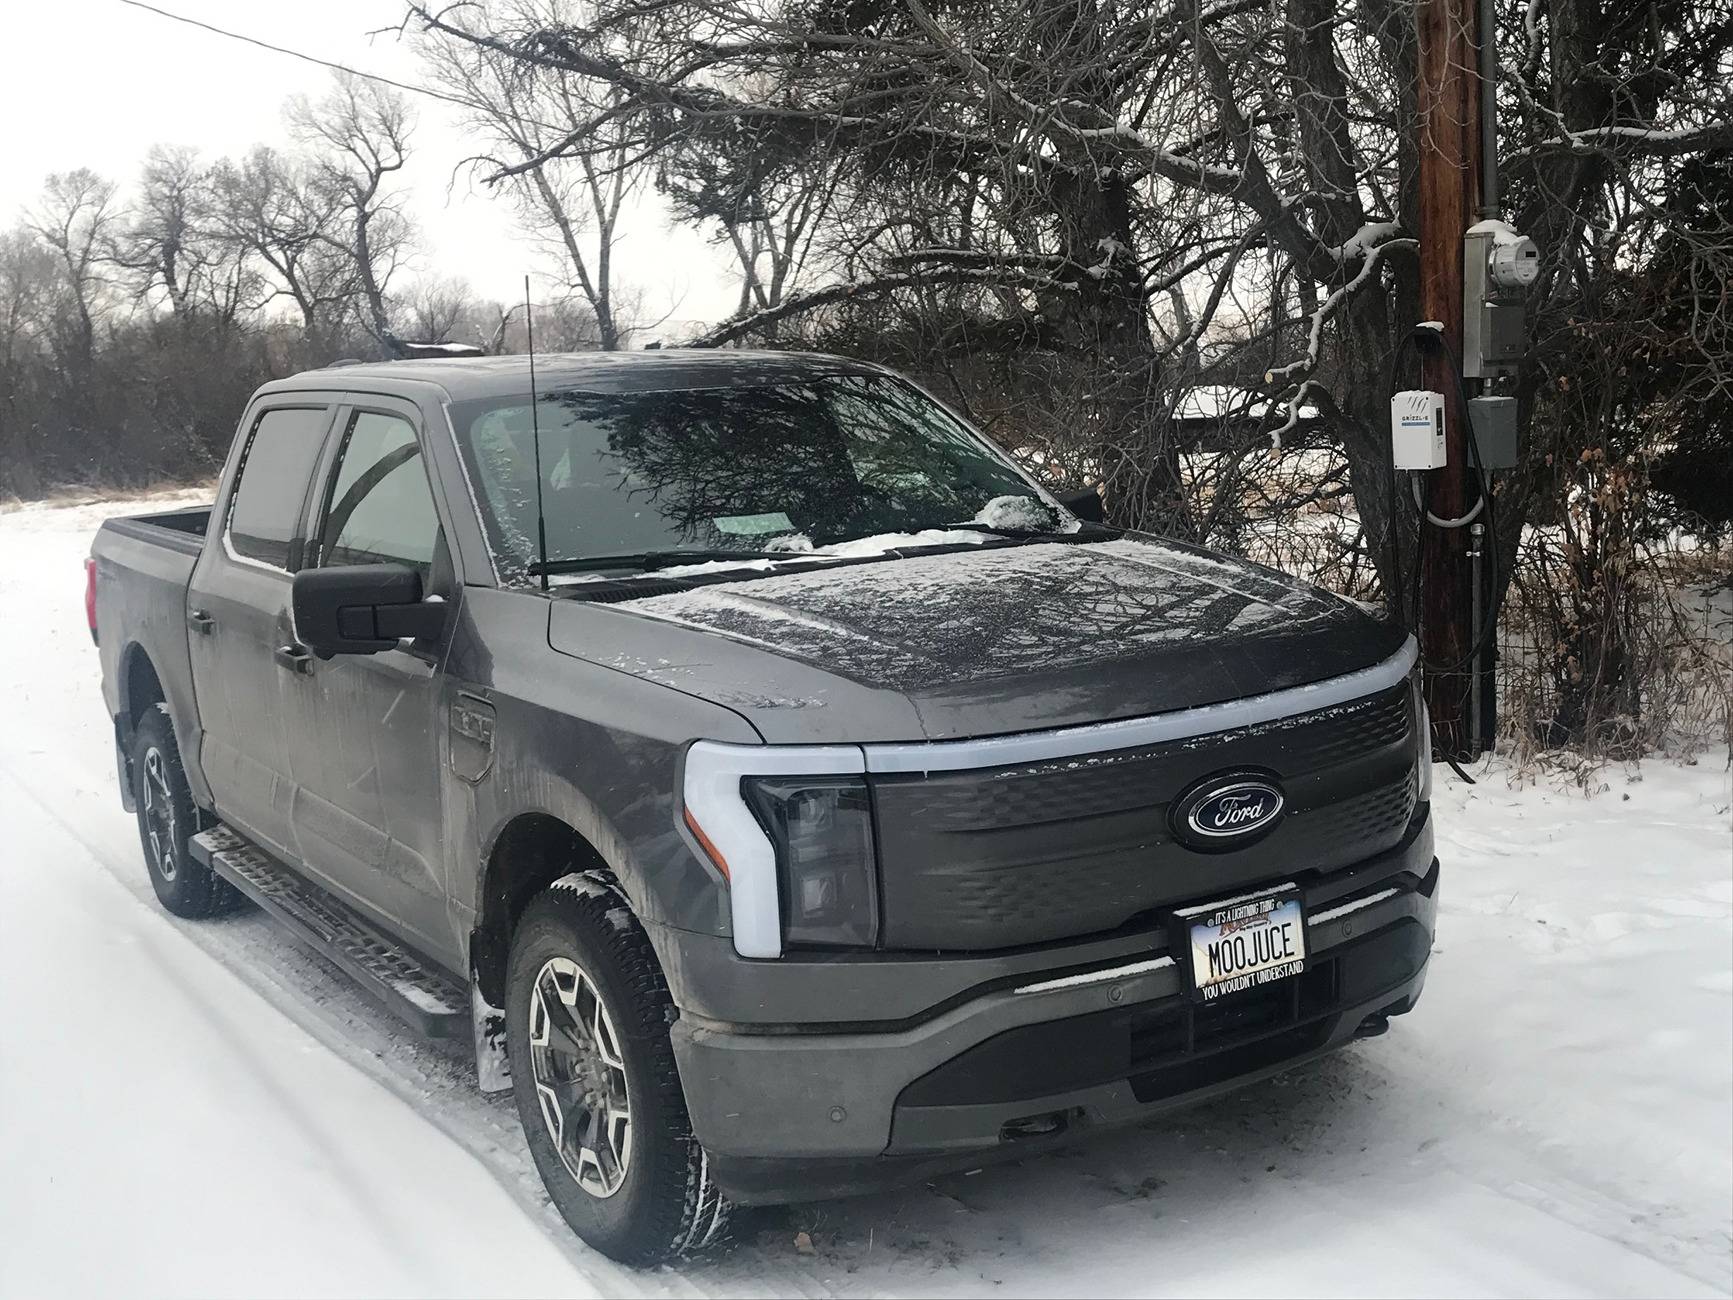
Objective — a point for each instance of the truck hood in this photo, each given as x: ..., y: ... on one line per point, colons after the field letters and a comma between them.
x: 983, y: 642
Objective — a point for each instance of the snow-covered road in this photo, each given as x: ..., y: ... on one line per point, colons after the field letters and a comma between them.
x: 206, y: 1109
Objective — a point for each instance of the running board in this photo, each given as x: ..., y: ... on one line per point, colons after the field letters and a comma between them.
x: 424, y: 996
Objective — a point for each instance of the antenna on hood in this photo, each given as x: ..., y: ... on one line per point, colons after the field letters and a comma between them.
x: 536, y: 441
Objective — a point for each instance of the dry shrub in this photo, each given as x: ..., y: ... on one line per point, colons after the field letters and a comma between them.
x: 1616, y: 635
x: 1615, y: 641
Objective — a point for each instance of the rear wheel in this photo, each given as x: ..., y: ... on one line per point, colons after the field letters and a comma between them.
x: 596, y: 1084
x: 167, y: 819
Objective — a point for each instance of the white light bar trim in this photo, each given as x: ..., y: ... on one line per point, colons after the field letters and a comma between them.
x: 1098, y: 976
x: 712, y: 793
x: 1353, y: 905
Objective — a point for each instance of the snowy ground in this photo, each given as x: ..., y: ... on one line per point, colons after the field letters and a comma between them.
x: 206, y: 1109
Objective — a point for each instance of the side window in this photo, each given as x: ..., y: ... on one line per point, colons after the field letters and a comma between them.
x: 380, y: 507
x: 272, y: 482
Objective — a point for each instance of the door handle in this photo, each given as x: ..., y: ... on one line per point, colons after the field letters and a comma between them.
x: 297, y: 659
x: 200, y: 621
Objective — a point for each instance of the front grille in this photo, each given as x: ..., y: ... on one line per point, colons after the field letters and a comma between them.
x: 1010, y: 856
x: 1122, y: 779
x: 1166, y: 1049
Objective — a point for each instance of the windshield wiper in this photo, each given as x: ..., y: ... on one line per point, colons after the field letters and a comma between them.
x: 1086, y: 534
x: 972, y: 527
x: 649, y: 561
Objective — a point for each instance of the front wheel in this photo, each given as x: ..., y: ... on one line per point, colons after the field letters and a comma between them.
x: 596, y: 1085
x: 167, y: 819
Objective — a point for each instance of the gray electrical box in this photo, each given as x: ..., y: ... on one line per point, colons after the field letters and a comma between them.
x: 1492, y: 423
x: 1498, y: 265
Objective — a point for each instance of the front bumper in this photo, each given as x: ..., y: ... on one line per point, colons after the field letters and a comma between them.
x: 799, y: 1112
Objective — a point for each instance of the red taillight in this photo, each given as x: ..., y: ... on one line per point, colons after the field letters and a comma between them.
x: 90, y: 594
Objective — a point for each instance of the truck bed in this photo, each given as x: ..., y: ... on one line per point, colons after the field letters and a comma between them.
x: 179, y: 530
x: 144, y: 564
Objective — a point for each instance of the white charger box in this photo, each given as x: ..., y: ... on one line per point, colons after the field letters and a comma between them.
x: 1417, y: 429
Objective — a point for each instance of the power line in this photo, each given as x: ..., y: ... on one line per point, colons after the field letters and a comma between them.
x: 306, y: 58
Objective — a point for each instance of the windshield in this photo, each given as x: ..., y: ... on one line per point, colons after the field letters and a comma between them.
x: 721, y: 471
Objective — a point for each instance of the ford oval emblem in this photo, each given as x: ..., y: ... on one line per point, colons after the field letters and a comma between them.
x: 1228, y: 811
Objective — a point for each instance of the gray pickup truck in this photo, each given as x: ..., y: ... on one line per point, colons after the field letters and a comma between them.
x: 786, y: 792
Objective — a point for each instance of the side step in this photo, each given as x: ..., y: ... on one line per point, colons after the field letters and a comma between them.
x: 409, y: 986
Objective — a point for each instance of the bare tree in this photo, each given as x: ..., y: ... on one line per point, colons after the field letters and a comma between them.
x: 1123, y: 197
x: 572, y: 201
x: 76, y: 219
x: 770, y: 221
x: 359, y: 134
x: 27, y: 277
x: 492, y: 326
x: 268, y: 206
x: 174, y: 244
x: 437, y: 308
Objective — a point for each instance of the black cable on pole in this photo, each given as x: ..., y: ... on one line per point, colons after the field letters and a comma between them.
x: 1484, y: 485
x: 1457, y: 768
x: 1489, y: 632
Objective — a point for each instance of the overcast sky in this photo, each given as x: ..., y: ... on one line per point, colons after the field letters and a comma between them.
x: 94, y: 83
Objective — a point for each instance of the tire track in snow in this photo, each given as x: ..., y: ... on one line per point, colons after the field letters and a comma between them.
x: 318, y: 999
x: 146, y: 1088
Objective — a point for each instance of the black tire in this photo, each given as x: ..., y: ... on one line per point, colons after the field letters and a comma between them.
x: 167, y: 819
x: 664, y: 1203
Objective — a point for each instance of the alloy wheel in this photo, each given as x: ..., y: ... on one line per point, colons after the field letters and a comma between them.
x: 159, y: 814
x: 580, y: 1077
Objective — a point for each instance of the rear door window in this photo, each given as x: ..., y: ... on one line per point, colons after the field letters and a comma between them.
x: 271, y: 483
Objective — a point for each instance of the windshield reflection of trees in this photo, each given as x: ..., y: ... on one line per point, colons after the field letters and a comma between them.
x: 842, y: 458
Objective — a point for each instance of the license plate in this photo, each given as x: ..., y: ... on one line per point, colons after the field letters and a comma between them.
x: 1242, y: 943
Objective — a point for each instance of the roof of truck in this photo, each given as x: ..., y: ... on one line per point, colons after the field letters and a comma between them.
x: 602, y: 372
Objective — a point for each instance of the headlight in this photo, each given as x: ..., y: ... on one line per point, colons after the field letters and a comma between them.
x: 822, y: 831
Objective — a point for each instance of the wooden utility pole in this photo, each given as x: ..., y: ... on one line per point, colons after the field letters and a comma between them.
x: 1449, y: 148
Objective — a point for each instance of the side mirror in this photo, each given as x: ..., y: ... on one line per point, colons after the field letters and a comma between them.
x: 361, y: 609
x: 1085, y: 504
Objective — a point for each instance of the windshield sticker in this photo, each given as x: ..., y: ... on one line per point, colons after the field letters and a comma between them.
x: 753, y: 525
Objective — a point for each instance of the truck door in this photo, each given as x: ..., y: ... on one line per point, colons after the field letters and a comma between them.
x: 241, y: 640
x: 367, y: 771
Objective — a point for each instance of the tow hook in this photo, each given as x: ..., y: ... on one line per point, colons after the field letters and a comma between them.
x: 1373, y: 1026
